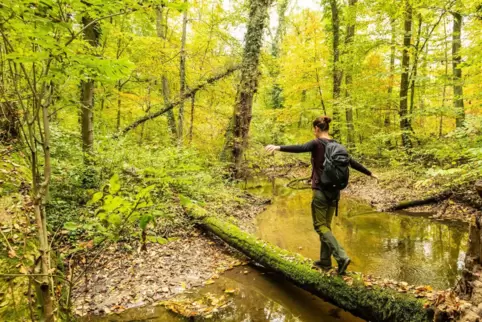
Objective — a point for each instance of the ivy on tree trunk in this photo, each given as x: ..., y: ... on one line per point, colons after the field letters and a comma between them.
x: 249, y: 79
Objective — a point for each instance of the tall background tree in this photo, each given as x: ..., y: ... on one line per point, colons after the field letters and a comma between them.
x: 258, y: 13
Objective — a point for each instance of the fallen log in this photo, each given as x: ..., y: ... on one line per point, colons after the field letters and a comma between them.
x: 372, y: 303
x: 420, y: 202
x: 178, y: 101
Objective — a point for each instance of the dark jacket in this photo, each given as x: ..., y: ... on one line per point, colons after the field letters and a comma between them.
x: 317, y: 150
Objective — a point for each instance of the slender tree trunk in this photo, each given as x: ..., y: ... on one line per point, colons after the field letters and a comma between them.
x: 249, y: 79
x: 191, y: 125
x: 407, y: 39
x: 320, y: 92
x: 148, y: 109
x: 317, y: 72
x: 182, y: 74
x: 423, y: 83
x: 391, y: 79
x: 444, y: 91
x: 91, y: 34
x: 161, y: 28
x: 350, y: 34
x: 413, y: 76
x: 337, y: 71
x: 119, y: 103
x: 277, y: 90
x: 457, y: 71
x: 40, y: 193
x: 120, y: 84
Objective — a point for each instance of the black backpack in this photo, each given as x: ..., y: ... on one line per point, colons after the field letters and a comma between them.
x: 336, y: 171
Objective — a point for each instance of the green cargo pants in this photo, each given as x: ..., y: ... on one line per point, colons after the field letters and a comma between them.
x: 322, y: 211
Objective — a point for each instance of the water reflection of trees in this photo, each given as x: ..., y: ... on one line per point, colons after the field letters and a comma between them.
x: 410, y: 248
x: 407, y: 248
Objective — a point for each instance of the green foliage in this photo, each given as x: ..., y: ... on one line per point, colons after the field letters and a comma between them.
x: 117, y: 211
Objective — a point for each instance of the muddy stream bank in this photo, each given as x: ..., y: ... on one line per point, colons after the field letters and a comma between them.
x: 400, y: 246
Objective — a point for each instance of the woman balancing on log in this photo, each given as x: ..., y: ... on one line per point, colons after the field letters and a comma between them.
x: 330, y: 162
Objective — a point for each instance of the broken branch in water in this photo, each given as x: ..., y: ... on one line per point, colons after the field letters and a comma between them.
x: 420, y: 202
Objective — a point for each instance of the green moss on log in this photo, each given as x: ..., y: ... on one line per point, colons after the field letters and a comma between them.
x: 373, y: 304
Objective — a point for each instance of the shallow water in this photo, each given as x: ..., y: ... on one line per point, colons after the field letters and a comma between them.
x: 398, y: 246
x: 259, y: 296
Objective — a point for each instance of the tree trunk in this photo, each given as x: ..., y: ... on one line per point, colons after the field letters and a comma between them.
x: 277, y: 90
x: 337, y: 71
x: 407, y: 39
x: 182, y: 74
x: 391, y: 78
x: 41, y: 192
x: 119, y: 104
x: 191, y: 125
x: 148, y: 109
x: 161, y: 28
x: 9, y: 125
x: 249, y: 79
x: 370, y: 303
x: 444, y: 91
x: 91, y: 34
x: 350, y: 34
x: 413, y: 76
x: 457, y: 71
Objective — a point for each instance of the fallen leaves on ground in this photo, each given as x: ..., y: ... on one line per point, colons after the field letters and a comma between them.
x: 120, y: 279
x: 444, y: 300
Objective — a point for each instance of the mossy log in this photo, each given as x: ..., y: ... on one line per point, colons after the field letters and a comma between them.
x: 371, y: 303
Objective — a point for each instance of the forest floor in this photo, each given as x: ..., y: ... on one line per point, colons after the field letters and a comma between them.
x: 120, y: 278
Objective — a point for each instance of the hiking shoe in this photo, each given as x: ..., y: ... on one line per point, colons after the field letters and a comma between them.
x: 343, y: 266
x: 320, y: 266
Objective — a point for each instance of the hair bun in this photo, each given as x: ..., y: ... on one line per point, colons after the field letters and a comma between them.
x: 327, y: 119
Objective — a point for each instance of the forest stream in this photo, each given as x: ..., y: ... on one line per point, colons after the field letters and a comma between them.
x: 401, y: 246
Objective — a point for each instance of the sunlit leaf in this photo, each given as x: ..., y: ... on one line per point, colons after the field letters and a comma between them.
x: 114, y: 184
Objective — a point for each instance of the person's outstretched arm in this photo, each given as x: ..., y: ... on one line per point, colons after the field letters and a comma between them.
x: 299, y: 148
x: 359, y: 167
